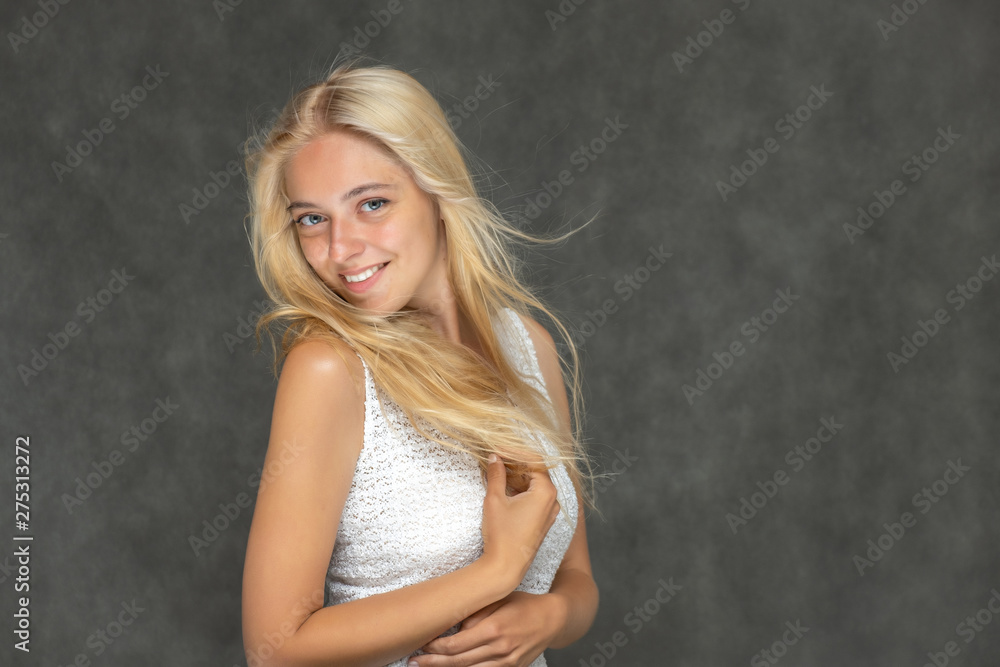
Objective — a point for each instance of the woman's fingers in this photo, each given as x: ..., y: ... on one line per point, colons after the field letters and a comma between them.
x: 515, y: 526
x: 496, y: 476
x: 539, y: 481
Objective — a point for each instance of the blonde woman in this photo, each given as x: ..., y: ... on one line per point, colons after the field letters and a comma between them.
x: 426, y: 502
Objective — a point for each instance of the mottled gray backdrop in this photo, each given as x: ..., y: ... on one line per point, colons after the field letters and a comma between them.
x: 787, y: 307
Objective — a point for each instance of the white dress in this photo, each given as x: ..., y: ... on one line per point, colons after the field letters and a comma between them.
x: 415, y: 508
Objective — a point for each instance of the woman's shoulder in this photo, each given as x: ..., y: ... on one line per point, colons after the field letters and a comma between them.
x: 323, y: 363
x: 541, y: 339
x: 537, y: 331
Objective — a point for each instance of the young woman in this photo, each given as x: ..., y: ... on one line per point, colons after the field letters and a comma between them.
x: 411, y: 368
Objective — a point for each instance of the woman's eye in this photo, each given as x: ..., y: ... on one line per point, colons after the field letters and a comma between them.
x: 375, y: 204
x: 309, y: 219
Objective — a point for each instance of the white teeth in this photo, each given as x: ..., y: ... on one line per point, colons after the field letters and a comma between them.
x: 363, y: 276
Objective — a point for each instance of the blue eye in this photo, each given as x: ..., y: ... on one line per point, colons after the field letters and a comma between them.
x: 307, y: 221
x: 380, y: 202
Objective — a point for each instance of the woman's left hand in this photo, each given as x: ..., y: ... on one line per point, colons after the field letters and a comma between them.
x: 510, y: 632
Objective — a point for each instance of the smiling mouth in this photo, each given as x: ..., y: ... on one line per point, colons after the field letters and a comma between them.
x: 361, y: 277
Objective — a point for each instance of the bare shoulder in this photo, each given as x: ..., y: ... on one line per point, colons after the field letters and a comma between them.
x: 321, y: 397
x: 322, y: 361
x: 545, y: 347
x: 317, y: 434
x: 319, y: 406
x: 548, y: 364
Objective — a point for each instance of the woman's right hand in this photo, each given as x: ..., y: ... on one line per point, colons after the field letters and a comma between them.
x: 514, y: 526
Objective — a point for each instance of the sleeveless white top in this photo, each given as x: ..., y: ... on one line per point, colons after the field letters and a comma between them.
x: 415, y: 508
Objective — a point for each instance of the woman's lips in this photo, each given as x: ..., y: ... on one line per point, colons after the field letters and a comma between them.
x: 362, y: 282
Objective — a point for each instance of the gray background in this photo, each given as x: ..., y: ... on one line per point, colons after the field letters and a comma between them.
x: 165, y: 334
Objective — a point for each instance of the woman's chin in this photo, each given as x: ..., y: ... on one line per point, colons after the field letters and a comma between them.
x: 375, y: 305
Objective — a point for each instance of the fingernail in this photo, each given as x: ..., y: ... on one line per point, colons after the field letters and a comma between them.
x: 412, y: 663
x: 492, y: 459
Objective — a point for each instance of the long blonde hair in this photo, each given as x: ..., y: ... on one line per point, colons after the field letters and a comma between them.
x: 446, y: 391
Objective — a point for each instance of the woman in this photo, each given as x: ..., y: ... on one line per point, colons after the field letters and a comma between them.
x: 410, y: 369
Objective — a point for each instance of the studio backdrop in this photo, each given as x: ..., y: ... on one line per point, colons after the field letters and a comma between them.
x: 786, y: 308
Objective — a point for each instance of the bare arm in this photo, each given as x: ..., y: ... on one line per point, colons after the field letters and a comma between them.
x: 574, y: 590
x: 516, y: 629
x: 573, y: 586
x: 316, y: 436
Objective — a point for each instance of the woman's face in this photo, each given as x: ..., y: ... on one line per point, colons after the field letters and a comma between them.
x: 365, y: 227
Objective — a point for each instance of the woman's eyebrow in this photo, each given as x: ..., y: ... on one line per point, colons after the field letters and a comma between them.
x: 360, y: 190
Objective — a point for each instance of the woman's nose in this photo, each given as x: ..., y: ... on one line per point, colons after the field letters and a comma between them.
x: 345, y: 242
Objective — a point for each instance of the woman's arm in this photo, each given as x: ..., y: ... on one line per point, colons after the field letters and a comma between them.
x: 573, y: 584
x: 316, y: 437
x: 574, y: 589
x: 515, y: 630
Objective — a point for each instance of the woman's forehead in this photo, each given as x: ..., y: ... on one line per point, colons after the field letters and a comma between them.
x: 339, y: 160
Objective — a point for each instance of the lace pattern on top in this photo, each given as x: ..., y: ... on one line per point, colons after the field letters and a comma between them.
x: 415, y: 507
